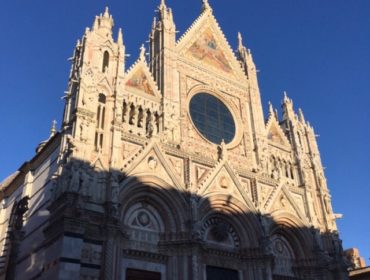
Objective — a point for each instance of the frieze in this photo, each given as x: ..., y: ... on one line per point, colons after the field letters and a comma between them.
x: 296, y: 190
x: 209, y: 75
x: 279, y: 147
x: 85, y: 113
x: 134, y: 138
x: 161, y: 258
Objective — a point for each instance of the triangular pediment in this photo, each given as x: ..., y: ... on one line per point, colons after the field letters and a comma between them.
x: 201, y: 173
x: 105, y: 83
x: 224, y: 181
x: 284, y: 200
x: 151, y: 161
x: 98, y: 164
x: 139, y: 80
x: 207, y: 50
x: 205, y: 45
x: 178, y: 166
x: 264, y: 193
x: 275, y: 134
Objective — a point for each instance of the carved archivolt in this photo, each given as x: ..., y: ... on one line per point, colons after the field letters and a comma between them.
x: 219, y: 232
x: 284, y: 256
x: 145, y: 217
x: 291, y: 228
x: 242, y: 219
x: 162, y: 201
x: 143, y: 223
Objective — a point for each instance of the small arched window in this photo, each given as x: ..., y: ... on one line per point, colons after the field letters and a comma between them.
x: 105, y: 61
x: 100, y: 119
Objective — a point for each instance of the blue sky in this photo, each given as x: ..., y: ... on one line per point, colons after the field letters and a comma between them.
x: 318, y: 51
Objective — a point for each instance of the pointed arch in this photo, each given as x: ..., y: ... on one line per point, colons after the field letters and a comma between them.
x: 105, y: 63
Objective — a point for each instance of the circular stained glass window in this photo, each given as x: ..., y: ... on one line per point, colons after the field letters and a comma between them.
x: 212, y: 118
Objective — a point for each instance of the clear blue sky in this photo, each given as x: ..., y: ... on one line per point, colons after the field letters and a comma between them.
x: 318, y: 51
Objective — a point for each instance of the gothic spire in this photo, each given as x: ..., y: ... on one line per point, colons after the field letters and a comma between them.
x: 245, y: 57
x: 287, y: 106
x: 104, y: 20
x: 96, y: 23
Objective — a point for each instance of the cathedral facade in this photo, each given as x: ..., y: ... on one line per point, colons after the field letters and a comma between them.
x: 169, y: 170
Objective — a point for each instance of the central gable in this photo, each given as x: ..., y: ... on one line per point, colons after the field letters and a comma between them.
x: 204, y: 44
x: 208, y: 50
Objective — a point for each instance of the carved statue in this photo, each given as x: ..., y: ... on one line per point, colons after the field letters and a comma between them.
x: 74, y: 184
x: 115, y: 188
x: 275, y: 174
x: 85, y: 182
x: 222, y: 151
x: 132, y: 115
x: 171, y: 127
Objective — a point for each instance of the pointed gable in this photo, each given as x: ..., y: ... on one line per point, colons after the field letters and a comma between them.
x: 139, y: 80
x: 151, y: 160
x: 208, y: 50
x: 283, y: 200
x: 204, y: 43
x: 274, y: 132
x: 223, y: 180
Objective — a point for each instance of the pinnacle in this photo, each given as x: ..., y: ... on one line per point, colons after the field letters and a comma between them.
x: 300, y: 114
x: 142, y: 52
x: 106, y: 12
x: 162, y: 5
x: 286, y: 98
x: 240, y: 40
x: 120, y: 36
x: 271, y: 109
x: 53, y: 129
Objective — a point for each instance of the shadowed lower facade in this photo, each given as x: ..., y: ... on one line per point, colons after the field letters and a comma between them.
x: 170, y: 170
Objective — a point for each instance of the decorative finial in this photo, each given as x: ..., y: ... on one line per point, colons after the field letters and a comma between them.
x: 300, y: 115
x: 96, y: 23
x: 162, y: 5
x: 286, y: 98
x: 53, y: 129
x: 120, y: 37
x: 240, y: 40
x: 206, y: 6
x: 106, y: 12
x: 271, y: 109
x: 142, y: 52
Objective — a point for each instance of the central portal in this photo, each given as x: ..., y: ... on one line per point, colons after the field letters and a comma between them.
x: 135, y: 274
x: 219, y: 273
